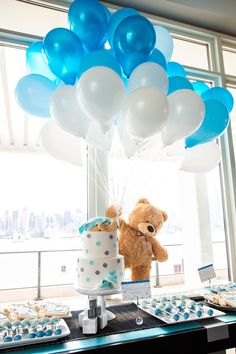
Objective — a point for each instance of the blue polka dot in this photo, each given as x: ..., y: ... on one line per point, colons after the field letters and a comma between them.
x: 91, y: 262
x: 115, y: 245
x: 113, y: 272
x: 87, y: 279
x: 98, y: 243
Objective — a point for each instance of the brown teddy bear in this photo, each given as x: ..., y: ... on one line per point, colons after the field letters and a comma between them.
x: 137, y: 242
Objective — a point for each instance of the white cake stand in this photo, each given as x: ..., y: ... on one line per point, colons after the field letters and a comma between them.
x: 100, y: 294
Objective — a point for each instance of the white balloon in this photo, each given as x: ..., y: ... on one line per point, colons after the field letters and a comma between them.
x: 101, y: 93
x: 201, y: 158
x: 67, y: 112
x: 176, y: 149
x: 148, y: 74
x: 129, y: 144
x: 152, y: 150
x: 60, y: 144
x: 145, y: 112
x: 164, y: 41
x: 97, y: 138
x: 186, y: 112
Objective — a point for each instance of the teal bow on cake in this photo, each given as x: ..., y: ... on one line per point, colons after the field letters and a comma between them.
x: 93, y: 222
x: 110, y: 282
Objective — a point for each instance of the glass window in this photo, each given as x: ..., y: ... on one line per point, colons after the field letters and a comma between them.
x: 229, y: 56
x: 40, y: 197
x: 217, y: 223
x: 173, y: 191
x: 188, y: 52
x: 43, y: 199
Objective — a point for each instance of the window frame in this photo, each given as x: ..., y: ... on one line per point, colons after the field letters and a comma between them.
x: 216, y: 74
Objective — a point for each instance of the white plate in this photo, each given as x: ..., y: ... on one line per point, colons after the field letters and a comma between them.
x: 27, y: 341
x: 169, y: 318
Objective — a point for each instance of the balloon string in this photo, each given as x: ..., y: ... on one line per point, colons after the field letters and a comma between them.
x: 104, y: 183
x: 144, y: 176
x: 101, y: 177
x: 116, y: 189
x: 147, y: 176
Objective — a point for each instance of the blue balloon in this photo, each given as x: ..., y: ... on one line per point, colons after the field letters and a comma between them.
x: 33, y: 93
x: 88, y: 19
x: 220, y: 94
x: 101, y: 57
x: 175, y: 69
x: 178, y: 83
x: 108, y: 14
x: 116, y: 19
x: 36, y: 63
x: 200, y: 87
x: 214, y: 123
x: 158, y: 58
x: 134, y: 40
x: 64, y: 53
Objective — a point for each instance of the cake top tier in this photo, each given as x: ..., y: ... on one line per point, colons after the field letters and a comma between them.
x: 102, y: 244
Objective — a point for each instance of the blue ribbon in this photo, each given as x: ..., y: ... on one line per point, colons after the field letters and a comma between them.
x: 93, y: 222
x: 109, y: 282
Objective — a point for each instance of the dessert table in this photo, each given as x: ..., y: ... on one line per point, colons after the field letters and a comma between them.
x: 122, y: 334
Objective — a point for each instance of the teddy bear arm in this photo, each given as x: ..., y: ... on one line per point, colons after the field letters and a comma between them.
x: 159, y: 252
x: 113, y: 226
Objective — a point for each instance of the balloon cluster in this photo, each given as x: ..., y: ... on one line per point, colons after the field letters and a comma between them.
x: 114, y: 71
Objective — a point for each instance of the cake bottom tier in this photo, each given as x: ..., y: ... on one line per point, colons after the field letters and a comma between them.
x: 93, y: 272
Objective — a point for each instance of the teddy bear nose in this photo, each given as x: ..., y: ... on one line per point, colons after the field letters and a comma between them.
x: 150, y: 228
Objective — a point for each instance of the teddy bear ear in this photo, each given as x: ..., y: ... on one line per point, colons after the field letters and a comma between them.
x: 165, y: 216
x: 143, y: 200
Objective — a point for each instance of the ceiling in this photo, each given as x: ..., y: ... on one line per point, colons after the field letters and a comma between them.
x: 216, y: 15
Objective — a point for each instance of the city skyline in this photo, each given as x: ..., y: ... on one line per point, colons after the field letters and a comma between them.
x: 24, y: 221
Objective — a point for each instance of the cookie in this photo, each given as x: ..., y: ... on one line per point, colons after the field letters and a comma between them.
x: 53, y: 309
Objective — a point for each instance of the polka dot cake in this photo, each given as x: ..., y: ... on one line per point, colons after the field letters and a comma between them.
x: 100, y: 262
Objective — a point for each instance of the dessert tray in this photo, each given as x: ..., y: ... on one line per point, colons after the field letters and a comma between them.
x: 221, y: 308
x: 175, y: 309
x: 224, y: 301
x: 26, y: 332
x: 34, y: 310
